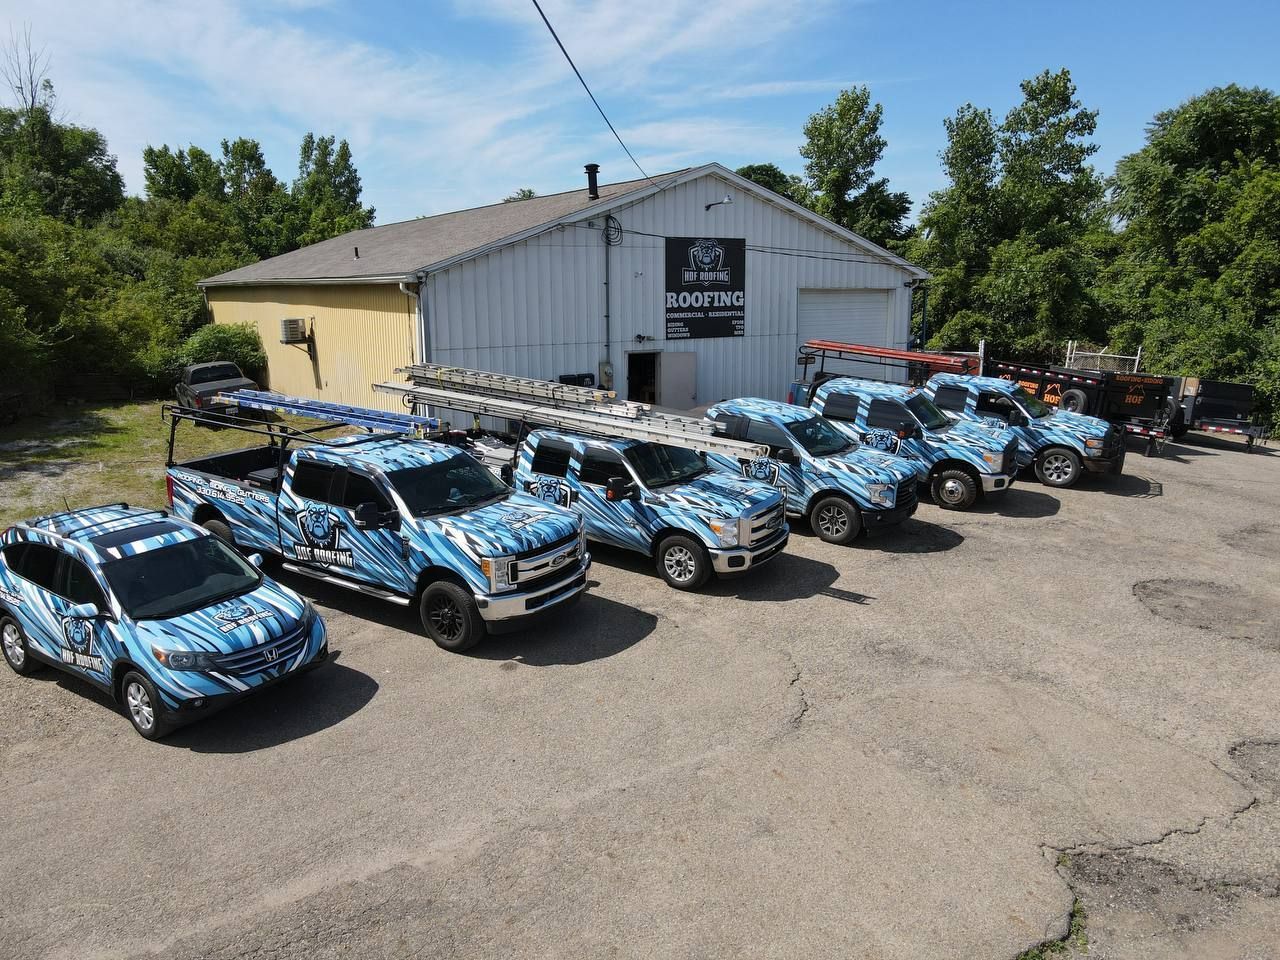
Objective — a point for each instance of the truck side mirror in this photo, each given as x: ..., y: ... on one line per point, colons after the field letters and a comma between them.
x: 618, y: 488
x: 255, y: 559
x: 909, y: 429
x: 1017, y: 418
x: 785, y: 455
x: 367, y: 517
x: 507, y: 474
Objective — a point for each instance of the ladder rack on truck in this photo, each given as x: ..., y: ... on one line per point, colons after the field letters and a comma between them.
x: 919, y: 366
x: 538, y: 403
x: 370, y: 419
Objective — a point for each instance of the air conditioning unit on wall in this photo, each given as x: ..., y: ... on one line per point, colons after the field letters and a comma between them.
x: 294, y: 330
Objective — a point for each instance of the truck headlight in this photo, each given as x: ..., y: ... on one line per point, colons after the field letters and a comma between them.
x: 885, y: 494
x: 185, y: 659
x: 726, y: 531
x: 994, y: 459
x: 1095, y: 444
x: 497, y: 571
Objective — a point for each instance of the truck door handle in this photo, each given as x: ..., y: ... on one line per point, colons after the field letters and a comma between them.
x: 289, y: 511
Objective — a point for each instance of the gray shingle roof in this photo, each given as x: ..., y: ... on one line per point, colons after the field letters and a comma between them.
x: 398, y: 249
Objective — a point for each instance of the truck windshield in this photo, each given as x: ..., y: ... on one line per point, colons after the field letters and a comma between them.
x: 452, y: 484
x: 170, y: 581
x: 924, y: 410
x: 657, y: 464
x: 819, y: 437
x: 1034, y: 407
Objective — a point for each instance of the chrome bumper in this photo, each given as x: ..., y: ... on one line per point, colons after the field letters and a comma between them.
x: 510, y: 606
x: 738, y: 559
x: 994, y: 482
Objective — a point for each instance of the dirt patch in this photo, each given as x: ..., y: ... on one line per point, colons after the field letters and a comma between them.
x: 1260, y: 539
x: 1222, y: 609
x: 1260, y: 759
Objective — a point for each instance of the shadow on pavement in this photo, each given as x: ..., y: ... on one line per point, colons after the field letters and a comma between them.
x: 1019, y: 503
x: 290, y: 711
x: 1130, y: 485
x: 593, y: 628
x: 787, y: 576
x: 913, y: 536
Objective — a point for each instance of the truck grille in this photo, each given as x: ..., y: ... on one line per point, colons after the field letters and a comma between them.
x: 559, y: 560
x: 907, y: 495
x: 762, y: 526
x: 273, y: 653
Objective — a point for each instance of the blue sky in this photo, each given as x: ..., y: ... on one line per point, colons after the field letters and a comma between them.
x: 448, y: 105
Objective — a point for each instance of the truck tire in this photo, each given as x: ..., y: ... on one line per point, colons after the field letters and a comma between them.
x: 1073, y: 401
x: 16, y: 652
x: 1058, y: 467
x: 222, y: 530
x: 449, y: 616
x: 954, y: 489
x: 835, y: 520
x: 682, y: 562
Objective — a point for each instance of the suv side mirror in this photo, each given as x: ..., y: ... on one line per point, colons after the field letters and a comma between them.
x: 785, y: 455
x: 367, y: 517
x: 255, y: 559
x: 83, y: 611
x: 619, y: 488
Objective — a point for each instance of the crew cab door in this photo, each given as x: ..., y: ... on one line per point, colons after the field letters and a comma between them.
x: 788, y: 477
x: 884, y: 422
x: 619, y: 522
x: 373, y: 533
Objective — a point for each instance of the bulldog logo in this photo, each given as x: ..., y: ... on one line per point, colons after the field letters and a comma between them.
x: 762, y: 468
x: 78, y: 633
x: 550, y: 490
x: 881, y: 439
x: 706, y: 264
x: 320, y: 531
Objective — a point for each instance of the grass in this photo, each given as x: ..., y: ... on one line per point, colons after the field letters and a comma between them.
x: 96, y: 453
x: 1077, y: 939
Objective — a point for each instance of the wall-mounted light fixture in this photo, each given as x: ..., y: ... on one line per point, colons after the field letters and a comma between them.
x: 715, y: 203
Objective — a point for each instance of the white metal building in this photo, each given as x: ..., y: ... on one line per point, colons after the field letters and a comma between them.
x: 704, y: 290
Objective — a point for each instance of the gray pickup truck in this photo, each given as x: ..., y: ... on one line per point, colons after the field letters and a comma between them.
x: 201, y: 382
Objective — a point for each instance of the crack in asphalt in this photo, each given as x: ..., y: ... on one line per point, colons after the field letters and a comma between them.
x: 797, y: 718
x: 1146, y: 844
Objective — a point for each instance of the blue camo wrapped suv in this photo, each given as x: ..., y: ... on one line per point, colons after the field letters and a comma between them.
x: 1062, y: 445
x: 659, y: 500
x: 959, y: 461
x: 843, y: 488
x: 158, y: 612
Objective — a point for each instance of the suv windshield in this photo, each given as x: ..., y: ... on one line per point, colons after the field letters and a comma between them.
x: 1034, y: 407
x: 924, y: 410
x: 819, y: 437
x: 453, y: 484
x: 657, y: 464
x: 170, y: 581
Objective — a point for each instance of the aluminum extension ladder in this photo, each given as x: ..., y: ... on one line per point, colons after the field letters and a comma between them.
x: 541, y: 403
x: 370, y: 419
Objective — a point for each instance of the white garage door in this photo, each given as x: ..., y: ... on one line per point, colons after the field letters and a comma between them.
x: 852, y: 316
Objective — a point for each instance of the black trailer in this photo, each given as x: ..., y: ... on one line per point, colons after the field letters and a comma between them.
x: 1218, y: 406
x: 1139, y: 403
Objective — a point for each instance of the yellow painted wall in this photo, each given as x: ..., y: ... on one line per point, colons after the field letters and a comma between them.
x: 362, y: 333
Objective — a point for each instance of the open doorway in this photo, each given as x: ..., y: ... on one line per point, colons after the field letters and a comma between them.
x: 642, y: 377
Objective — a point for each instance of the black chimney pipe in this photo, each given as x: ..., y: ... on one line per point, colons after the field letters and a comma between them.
x: 593, y: 188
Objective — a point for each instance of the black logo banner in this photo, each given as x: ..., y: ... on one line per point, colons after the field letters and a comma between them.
x: 706, y: 287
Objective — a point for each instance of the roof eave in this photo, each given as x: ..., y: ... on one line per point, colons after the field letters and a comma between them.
x: 307, y: 281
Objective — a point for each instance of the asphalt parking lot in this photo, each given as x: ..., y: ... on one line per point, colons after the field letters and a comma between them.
x: 944, y: 742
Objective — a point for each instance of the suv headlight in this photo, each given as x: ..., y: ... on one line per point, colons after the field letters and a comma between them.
x: 726, y: 531
x: 497, y: 570
x: 185, y: 659
x: 885, y: 494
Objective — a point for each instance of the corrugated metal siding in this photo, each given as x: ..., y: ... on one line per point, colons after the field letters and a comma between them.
x: 362, y: 333
x: 536, y: 308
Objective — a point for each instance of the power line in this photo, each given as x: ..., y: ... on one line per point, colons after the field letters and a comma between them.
x: 578, y: 73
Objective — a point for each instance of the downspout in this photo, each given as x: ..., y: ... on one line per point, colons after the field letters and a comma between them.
x: 420, y: 317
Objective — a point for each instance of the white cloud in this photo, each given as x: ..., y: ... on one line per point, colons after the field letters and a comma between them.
x: 431, y: 130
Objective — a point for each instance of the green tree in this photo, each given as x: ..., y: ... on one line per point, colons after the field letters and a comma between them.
x: 1017, y: 240
x: 327, y: 192
x: 771, y: 177
x: 842, y: 146
x: 1196, y: 276
x: 524, y: 193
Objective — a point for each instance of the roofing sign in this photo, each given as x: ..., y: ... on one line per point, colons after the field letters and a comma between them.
x: 706, y: 288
